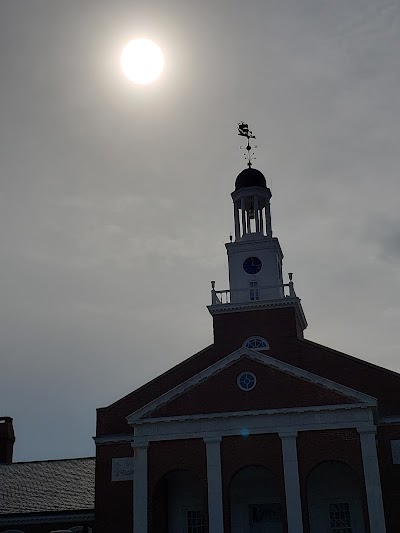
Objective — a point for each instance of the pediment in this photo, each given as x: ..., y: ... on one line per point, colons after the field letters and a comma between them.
x: 279, y: 385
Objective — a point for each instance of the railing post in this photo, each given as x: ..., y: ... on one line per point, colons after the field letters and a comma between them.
x: 291, y: 286
x: 214, y: 298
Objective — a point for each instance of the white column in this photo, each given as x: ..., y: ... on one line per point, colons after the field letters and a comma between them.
x: 256, y: 214
x: 268, y: 221
x: 214, y: 483
x: 372, y: 480
x: 140, y: 501
x: 292, y: 484
x: 242, y: 205
x: 237, y: 223
x: 261, y: 221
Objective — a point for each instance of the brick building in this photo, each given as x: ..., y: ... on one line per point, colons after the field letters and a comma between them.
x: 263, y: 431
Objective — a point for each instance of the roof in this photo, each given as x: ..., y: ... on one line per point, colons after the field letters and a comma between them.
x: 47, y: 486
x: 250, y: 177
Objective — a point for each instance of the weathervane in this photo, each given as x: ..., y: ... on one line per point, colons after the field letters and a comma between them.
x: 243, y: 131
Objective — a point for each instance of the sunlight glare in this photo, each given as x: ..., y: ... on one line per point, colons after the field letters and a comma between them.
x: 142, y: 61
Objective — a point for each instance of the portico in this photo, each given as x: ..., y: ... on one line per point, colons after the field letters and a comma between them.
x: 285, y: 424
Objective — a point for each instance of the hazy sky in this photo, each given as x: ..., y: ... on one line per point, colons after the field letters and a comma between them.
x: 115, y: 199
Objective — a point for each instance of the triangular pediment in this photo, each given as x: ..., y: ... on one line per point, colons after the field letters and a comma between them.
x: 279, y: 385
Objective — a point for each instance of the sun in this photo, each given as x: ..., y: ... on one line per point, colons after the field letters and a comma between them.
x: 142, y: 61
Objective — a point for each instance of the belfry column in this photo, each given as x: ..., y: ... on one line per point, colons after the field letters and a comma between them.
x: 214, y: 483
x: 244, y: 230
x: 237, y: 222
x: 372, y: 480
x: 256, y: 214
x: 268, y: 221
x: 140, y: 499
x: 292, y: 484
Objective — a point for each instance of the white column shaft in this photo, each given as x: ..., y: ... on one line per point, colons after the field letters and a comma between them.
x: 372, y: 482
x: 140, y: 501
x: 261, y: 221
x: 292, y: 484
x: 242, y: 205
x: 256, y: 214
x: 237, y: 222
x: 214, y: 483
x: 268, y: 219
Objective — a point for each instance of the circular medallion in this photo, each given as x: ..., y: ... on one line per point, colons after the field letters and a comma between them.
x: 246, y: 381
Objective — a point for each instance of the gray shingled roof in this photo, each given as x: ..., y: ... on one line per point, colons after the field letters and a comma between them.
x: 44, y: 486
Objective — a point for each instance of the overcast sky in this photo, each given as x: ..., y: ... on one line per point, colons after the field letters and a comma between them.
x: 115, y: 199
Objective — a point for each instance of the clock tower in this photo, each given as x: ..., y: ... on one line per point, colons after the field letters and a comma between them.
x: 254, y: 254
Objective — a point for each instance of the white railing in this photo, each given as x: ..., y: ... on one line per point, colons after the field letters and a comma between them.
x: 252, y: 294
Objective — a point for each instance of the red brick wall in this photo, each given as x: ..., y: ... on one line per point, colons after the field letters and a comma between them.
x: 278, y: 326
x: 113, y: 499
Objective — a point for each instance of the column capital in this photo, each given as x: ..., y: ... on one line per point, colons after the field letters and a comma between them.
x: 367, y: 430
x: 288, y: 434
x: 212, y: 440
x: 140, y: 444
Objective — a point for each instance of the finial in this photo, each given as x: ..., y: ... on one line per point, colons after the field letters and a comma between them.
x: 243, y: 131
x: 230, y: 237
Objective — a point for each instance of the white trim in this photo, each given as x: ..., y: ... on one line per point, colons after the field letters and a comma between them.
x: 34, y: 518
x: 389, y: 420
x: 261, y: 358
x: 111, y: 439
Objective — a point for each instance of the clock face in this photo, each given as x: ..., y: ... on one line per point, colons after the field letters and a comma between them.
x: 252, y: 265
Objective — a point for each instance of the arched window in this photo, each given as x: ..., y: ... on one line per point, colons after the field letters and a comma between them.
x: 334, y: 499
x: 255, y: 501
x: 256, y: 343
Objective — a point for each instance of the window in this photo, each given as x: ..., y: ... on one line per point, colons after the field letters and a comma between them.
x: 195, y: 520
x: 254, y: 290
x: 340, y: 519
x: 264, y: 513
x: 256, y: 343
x: 246, y: 381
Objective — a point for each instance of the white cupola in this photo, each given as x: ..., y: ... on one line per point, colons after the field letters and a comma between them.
x: 254, y: 255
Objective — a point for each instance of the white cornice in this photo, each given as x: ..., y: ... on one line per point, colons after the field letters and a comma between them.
x: 259, y: 413
x: 261, y: 358
x: 334, y: 417
x: 219, y: 309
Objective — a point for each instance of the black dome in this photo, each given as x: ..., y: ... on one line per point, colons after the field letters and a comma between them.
x: 250, y: 177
